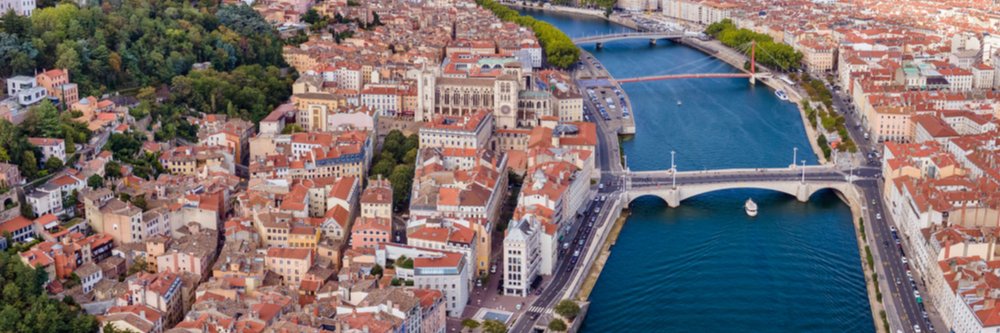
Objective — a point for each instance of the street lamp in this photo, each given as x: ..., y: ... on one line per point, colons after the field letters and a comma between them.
x: 795, y: 155
x: 673, y: 170
x: 803, y: 171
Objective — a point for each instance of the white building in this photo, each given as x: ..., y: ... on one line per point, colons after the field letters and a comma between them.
x: 50, y: 148
x: 20, y: 7
x: 983, y: 76
x: 521, y: 256
x: 25, y: 89
x: 46, y: 199
x: 446, y: 272
x: 89, y: 274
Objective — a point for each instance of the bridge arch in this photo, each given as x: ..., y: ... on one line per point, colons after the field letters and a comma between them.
x: 801, y: 191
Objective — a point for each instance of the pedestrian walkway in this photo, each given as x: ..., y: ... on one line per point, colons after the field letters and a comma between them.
x: 539, y: 309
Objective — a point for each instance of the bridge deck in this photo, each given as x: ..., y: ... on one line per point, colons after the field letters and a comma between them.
x: 684, y: 76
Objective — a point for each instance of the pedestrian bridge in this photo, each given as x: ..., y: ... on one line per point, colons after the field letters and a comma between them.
x: 800, y: 182
x: 652, y: 36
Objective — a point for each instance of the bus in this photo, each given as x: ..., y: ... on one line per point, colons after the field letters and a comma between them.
x: 786, y: 80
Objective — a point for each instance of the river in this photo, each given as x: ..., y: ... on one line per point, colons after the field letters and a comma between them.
x: 706, y: 266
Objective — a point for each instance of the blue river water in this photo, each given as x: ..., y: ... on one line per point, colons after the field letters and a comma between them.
x: 706, y: 266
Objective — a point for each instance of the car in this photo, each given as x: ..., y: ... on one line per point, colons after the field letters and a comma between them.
x: 903, y: 259
x: 581, y: 242
x: 892, y: 228
x: 566, y: 246
x: 916, y: 294
x: 873, y: 201
x: 493, y: 269
x: 479, y: 283
x: 916, y: 328
x: 597, y: 210
x: 909, y: 275
x: 878, y: 216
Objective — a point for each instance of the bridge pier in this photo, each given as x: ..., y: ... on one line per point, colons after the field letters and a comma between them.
x: 802, y: 192
x: 753, y: 80
x: 599, y: 45
x: 652, y: 41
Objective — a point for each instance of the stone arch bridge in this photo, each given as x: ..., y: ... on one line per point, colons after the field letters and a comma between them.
x: 800, y: 182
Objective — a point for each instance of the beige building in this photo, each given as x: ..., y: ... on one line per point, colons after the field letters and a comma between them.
x: 817, y: 55
x: 891, y: 123
x: 290, y: 264
x: 376, y: 201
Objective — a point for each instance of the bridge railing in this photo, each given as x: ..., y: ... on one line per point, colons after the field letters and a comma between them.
x: 808, y: 168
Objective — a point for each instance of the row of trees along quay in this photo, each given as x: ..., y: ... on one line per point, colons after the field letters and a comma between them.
x: 769, y: 53
x: 559, y: 49
x: 820, y: 113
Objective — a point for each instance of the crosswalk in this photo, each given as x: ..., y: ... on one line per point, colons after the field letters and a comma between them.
x: 539, y: 309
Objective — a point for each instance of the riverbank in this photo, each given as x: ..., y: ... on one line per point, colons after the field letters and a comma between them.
x: 854, y: 200
x: 614, y: 18
x: 602, y: 257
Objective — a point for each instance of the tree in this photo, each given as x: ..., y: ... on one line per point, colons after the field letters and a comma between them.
x: 27, y: 211
x: 557, y: 325
x: 493, y: 326
x: 292, y: 128
x: 470, y: 323
x: 383, y: 167
x: 568, y: 309
x: 95, y: 181
x: 377, y: 271
x: 140, y: 202
x: 53, y: 164
x: 310, y: 16
x: 109, y: 328
x: 72, y: 199
x: 112, y: 170
x: 25, y: 307
x: 29, y: 165
x: 401, y: 179
x: 138, y: 266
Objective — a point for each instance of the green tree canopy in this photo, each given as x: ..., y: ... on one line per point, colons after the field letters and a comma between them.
x: 25, y: 307
x: 557, y: 325
x: 568, y: 309
x: 493, y: 326
x: 769, y: 53
x: 470, y: 323
x: 95, y: 181
x: 559, y: 48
